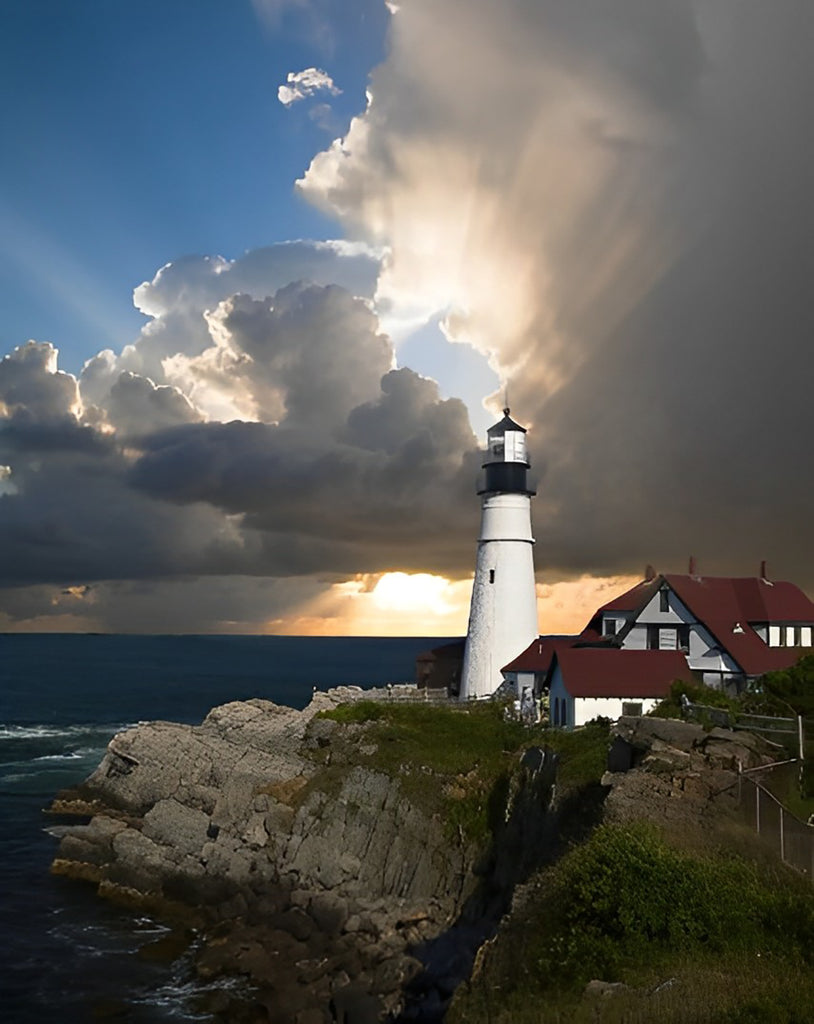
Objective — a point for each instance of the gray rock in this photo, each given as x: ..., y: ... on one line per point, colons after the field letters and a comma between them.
x: 172, y: 824
x: 641, y: 732
x: 603, y: 989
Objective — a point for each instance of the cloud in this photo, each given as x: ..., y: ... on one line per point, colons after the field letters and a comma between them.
x: 613, y: 203
x: 306, y: 83
x: 212, y: 604
x: 338, y: 463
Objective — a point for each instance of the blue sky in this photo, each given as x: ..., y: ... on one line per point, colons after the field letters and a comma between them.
x: 136, y: 133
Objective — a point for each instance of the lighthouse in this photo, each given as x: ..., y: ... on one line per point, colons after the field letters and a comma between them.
x: 503, y: 611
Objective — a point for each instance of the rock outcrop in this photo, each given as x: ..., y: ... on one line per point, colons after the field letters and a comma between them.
x: 682, y: 772
x: 303, y: 869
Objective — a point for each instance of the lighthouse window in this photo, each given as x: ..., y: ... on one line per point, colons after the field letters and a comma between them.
x: 491, y: 575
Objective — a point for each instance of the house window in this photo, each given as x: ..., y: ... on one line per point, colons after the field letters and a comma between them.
x: 791, y: 638
x: 664, y: 601
x: 684, y: 638
x: 611, y: 627
x: 652, y: 638
x: 805, y: 636
x: 774, y: 636
x: 491, y: 575
x: 631, y: 708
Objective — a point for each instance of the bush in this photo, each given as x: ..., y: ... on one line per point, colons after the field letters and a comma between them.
x: 790, y: 691
x: 626, y: 897
x: 696, y: 693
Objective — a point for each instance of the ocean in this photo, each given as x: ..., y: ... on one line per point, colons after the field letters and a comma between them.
x: 66, y: 955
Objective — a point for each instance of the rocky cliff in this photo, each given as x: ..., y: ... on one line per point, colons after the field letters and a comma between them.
x: 302, y: 866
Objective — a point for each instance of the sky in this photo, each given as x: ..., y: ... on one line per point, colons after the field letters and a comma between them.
x: 269, y: 269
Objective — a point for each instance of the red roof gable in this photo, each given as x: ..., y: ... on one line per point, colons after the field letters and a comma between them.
x: 605, y: 672
x: 722, y: 603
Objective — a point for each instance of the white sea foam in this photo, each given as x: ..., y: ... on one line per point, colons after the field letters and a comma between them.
x: 71, y: 755
x: 38, y: 732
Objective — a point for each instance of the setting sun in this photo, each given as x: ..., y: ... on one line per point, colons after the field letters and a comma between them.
x: 413, y: 592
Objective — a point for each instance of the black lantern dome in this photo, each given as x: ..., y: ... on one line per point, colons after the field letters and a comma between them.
x: 507, y: 463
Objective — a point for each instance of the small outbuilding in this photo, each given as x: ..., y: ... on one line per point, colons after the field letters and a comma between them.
x: 440, y: 667
x: 594, y: 682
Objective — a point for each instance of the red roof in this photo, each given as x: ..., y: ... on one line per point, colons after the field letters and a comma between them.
x: 721, y: 603
x: 537, y: 656
x: 605, y: 672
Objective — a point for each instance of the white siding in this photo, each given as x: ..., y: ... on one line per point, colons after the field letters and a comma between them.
x: 580, y: 710
x: 587, y: 708
x: 676, y: 613
x: 636, y: 639
x: 523, y: 680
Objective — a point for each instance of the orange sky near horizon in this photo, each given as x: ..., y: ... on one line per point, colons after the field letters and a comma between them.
x: 378, y: 604
x: 421, y: 604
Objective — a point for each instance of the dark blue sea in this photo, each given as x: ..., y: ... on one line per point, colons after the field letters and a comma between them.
x: 66, y: 955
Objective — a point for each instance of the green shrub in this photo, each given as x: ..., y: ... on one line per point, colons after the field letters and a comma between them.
x: 696, y: 693
x: 627, y: 897
x: 790, y: 691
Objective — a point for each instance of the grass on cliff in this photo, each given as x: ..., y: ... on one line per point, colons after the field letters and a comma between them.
x: 458, y: 761
x: 696, y: 937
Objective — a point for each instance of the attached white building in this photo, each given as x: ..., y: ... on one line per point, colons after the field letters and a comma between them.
x: 594, y: 682
x: 729, y: 629
x: 722, y: 631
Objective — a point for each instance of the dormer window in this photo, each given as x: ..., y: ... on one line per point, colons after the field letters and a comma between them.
x: 664, y: 601
x: 610, y: 627
x: 790, y: 636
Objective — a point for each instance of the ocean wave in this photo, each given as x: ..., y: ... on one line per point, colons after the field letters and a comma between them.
x: 43, y: 731
x: 175, y: 997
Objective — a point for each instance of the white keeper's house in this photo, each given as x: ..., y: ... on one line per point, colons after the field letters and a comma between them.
x: 722, y: 631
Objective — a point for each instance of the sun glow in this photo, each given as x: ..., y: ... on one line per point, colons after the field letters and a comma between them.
x: 423, y: 604
x: 384, y: 604
x: 418, y: 592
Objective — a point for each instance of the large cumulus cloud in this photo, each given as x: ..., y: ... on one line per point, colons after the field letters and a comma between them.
x: 339, y: 463
x: 613, y: 200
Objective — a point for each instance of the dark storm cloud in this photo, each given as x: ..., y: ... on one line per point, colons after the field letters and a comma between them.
x: 635, y: 178
x: 367, y: 468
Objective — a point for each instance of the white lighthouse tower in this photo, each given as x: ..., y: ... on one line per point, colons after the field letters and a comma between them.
x: 503, y: 612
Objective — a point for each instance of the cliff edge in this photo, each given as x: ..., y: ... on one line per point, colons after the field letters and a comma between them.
x: 328, y: 875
